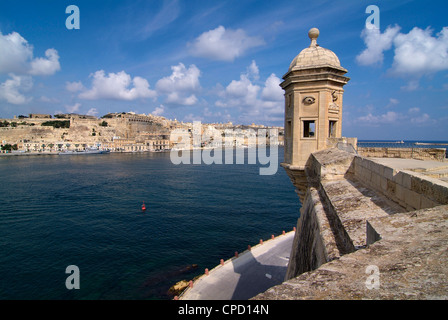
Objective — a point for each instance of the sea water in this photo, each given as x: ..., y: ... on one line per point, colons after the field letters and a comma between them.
x: 85, y: 210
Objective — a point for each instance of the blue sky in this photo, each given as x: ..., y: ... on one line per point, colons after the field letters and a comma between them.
x: 219, y: 61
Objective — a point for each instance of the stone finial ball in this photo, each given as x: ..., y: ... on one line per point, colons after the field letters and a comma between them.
x: 313, y: 33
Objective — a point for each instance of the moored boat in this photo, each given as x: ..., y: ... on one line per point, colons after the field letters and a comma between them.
x: 86, y: 151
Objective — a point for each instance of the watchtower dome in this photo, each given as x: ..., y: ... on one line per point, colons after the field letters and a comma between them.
x: 313, y: 102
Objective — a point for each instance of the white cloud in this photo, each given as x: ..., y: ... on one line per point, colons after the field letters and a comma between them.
x: 376, y: 43
x: 92, y: 112
x: 117, y: 86
x: 182, y: 79
x: 412, y: 116
x: 16, y: 60
x: 393, y: 101
x: 181, y: 85
x: 73, y: 109
x: 16, y: 56
x: 222, y: 44
x: 48, y: 66
x: 176, y: 98
x: 239, y: 93
x: 191, y: 117
x: 158, y: 110
x: 48, y: 100
x: 15, y: 53
x: 74, y: 86
x: 11, y: 90
x: 272, y: 90
x: 253, y: 70
x: 422, y: 119
x: 416, y: 53
x: 389, y: 117
x: 254, y: 102
x: 412, y: 85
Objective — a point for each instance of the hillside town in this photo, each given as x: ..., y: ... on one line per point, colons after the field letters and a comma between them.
x: 118, y: 132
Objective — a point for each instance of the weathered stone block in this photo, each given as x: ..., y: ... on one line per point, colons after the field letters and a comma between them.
x: 416, y: 184
x: 388, y: 173
x: 427, y: 203
x: 375, y: 180
x: 406, y: 180
x: 399, y: 192
x: 376, y: 167
x: 412, y: 198
x: 440, y: 193
x: 383, y: 182
x: 391, y: 186
x: 398, y: 178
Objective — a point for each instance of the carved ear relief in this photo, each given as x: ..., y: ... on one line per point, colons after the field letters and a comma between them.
x: 308, y: 100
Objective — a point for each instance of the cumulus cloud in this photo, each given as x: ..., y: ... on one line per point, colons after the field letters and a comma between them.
x: 422, y: 119
x: 416, y: 54
x: 74, y: 86
x: 254, y: 101
x: 46, y: 66
x: 73, y: 109
x: 12, y: 89
x: 272, y: 90
x: 253, y: 70
x: 223, y: 44
x: 15, y: 53
x: 389, y: 117
x: 413, y: 115
x: 177, y: 98
x: 117, y: 86
x: 92, y: 112
x: 158, y: 111
x: 181, y: 86
x: 240, y: 92
x: 376, y: 43
x: 16, y: 56
x: 48, y: 100
x: 419, y: 53
x: 17, y: 61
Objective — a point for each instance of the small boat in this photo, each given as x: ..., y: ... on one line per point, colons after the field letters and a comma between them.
x: 87, y: 151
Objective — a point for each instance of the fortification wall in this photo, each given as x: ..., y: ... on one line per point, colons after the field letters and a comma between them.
x: 345, y: 193
x: 412, y: 190
x: 437, y: 154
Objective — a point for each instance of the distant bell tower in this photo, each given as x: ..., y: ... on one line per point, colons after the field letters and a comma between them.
x: 313, y: 102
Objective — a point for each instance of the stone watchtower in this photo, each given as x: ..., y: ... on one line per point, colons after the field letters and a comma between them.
x: 313, y: 102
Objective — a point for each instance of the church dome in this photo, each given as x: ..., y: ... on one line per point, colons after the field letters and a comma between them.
x: 314, y: 55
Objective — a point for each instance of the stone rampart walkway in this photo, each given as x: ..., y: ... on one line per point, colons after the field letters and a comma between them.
x: 251, y: 273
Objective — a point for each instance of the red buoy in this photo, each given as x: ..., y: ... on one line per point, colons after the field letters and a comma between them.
x: 143, y: 206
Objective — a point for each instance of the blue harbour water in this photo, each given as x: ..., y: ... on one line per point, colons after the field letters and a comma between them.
x: 86, y: 211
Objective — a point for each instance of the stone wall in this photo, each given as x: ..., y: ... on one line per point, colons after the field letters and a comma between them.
x: 411, y: 190
x: 311, y: 251
x: 344, y: 192
x: 409, y: 259
x: 404, y: 153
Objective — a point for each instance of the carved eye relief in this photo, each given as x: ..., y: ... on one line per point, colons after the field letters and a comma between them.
x: 309, y: 100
